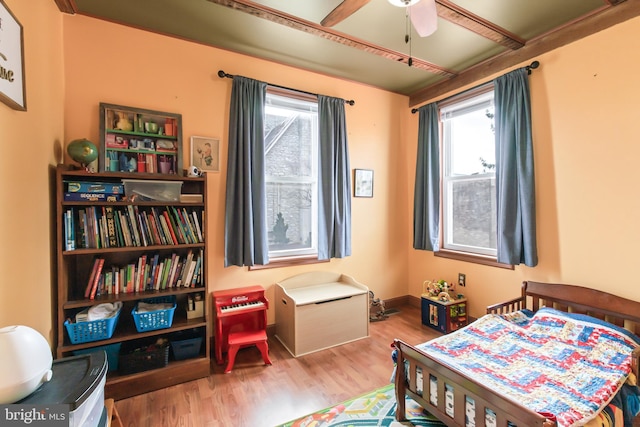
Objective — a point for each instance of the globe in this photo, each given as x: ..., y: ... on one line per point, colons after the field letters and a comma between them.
x: 82, y: 151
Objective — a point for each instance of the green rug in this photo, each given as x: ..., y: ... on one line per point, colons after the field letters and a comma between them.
x: 376, y: 408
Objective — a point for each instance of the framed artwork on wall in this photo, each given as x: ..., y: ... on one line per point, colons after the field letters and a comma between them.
x: 12, y: 87
x: 363, y: 183
x: 205, y: 153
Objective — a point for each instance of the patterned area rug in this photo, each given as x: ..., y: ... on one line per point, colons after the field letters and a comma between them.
x: 376, y: 408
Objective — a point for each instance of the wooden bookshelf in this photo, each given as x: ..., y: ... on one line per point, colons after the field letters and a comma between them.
x: 74, y: 264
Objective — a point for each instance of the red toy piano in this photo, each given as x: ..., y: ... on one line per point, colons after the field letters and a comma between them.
x: 240, y: 321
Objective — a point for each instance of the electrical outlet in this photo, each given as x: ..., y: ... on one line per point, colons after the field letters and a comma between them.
x: 462, y: 279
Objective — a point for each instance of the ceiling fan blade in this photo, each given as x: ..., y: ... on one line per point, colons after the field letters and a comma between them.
x: 424, y: 17
x: 342, y: 12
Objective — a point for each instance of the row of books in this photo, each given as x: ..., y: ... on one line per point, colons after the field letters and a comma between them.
x: 123, y: 226
x: 147, y: 273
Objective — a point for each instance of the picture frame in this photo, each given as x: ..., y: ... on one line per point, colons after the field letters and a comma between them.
x: 363, y: 183
x: 205, y: 153
x: 12, y: 85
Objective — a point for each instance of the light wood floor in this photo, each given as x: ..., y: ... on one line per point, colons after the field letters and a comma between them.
x: 255, y: 395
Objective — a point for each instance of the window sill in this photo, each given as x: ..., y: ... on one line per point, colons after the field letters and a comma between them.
x: 468, y: 257
x: 289, y: 262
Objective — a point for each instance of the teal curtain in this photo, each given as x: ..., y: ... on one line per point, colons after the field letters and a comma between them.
x: 426, y: 202
x: 515, y: 183
x: 334, y: 196
x: 245, y: 228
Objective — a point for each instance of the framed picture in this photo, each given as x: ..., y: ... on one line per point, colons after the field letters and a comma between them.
x: 363, y: 183
x: 205, y: 153
x: 12, y: 87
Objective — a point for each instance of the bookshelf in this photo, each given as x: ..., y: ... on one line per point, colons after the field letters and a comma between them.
x: 77, y: 254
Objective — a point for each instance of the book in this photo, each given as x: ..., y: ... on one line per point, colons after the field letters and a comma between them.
x: 96, y: 279
x: 116, y: 280
x: 175, y: 260
x: 140, y: 226
x: 192, y: 230
x: 196, y: 272
x: 185, y: 269
x: 197, y: 224
x: 92, y: 275
x: 189, y: 275
x: 136, y: 275
x: 174, y: 238
x: 82, y: 228
x: 119, y: 235
x: 124, y: 228
x: 111, y: 226
x: 153, y: 271
x: 108, y: 282
x: 170, y: 236
x: 69, y: 230
x: 164, y: 234
x: 159, y: 270
x: 134, y: 226
x: 157, y: 237
x: 178, y: 225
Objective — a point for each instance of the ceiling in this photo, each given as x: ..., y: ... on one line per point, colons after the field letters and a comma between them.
x: 474, y: 38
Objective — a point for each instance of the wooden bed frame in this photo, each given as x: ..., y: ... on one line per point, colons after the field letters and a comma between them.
x: 568, y: 298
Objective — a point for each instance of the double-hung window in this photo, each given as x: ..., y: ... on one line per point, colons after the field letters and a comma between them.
x: 469, y: 218
x: 291, y: 169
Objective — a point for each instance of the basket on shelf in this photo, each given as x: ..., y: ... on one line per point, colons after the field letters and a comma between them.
x: 152, y: 320
x: 138, y: 358
x: 93, y: 330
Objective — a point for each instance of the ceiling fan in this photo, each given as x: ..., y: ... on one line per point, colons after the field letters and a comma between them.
x: 422, y: 13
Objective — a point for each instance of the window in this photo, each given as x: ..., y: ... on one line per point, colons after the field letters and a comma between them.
x: 469, y: 218
x: 291, y: 153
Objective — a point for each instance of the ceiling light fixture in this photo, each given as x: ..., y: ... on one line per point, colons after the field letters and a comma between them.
x: 403, y: 3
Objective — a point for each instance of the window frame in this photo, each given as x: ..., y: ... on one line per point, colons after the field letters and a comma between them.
x: 307, y: 256
x: 457, y: 252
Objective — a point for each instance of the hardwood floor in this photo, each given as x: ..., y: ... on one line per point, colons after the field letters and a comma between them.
x: 257, y: 395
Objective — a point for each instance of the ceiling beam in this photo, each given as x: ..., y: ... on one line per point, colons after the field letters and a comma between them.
x: 462, y: 17
x: 309, y: 27
x: 67, y: 6
x: 342, y: 12
x: 608, y: 17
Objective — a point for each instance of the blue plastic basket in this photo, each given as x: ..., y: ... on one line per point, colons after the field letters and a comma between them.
x: 94, y: 330
x: 152, y: 320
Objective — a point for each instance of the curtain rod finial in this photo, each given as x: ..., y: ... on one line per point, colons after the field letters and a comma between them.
x: 532, y: 66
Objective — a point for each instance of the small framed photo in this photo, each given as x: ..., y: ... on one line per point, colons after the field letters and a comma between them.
x: 205, y: 153
x: 363, y: 183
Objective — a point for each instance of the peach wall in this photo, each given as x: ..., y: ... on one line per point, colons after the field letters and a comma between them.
x: 110, y: 63
x: 31, y: 143
x: 584, y: 112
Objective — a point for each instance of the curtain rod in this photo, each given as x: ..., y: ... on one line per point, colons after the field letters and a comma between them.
x: 532, y: 66
x: 222, y: 75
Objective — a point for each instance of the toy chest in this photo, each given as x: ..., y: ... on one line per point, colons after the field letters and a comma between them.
x: 94, y: 330
x: 138, y: 357
x: 152, y: 320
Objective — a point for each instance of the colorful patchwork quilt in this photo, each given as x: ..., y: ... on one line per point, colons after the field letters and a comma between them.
x: 569, y: 365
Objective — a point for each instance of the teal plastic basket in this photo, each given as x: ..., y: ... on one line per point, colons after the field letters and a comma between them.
x: 153, y: 320
x: 112, y: 350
